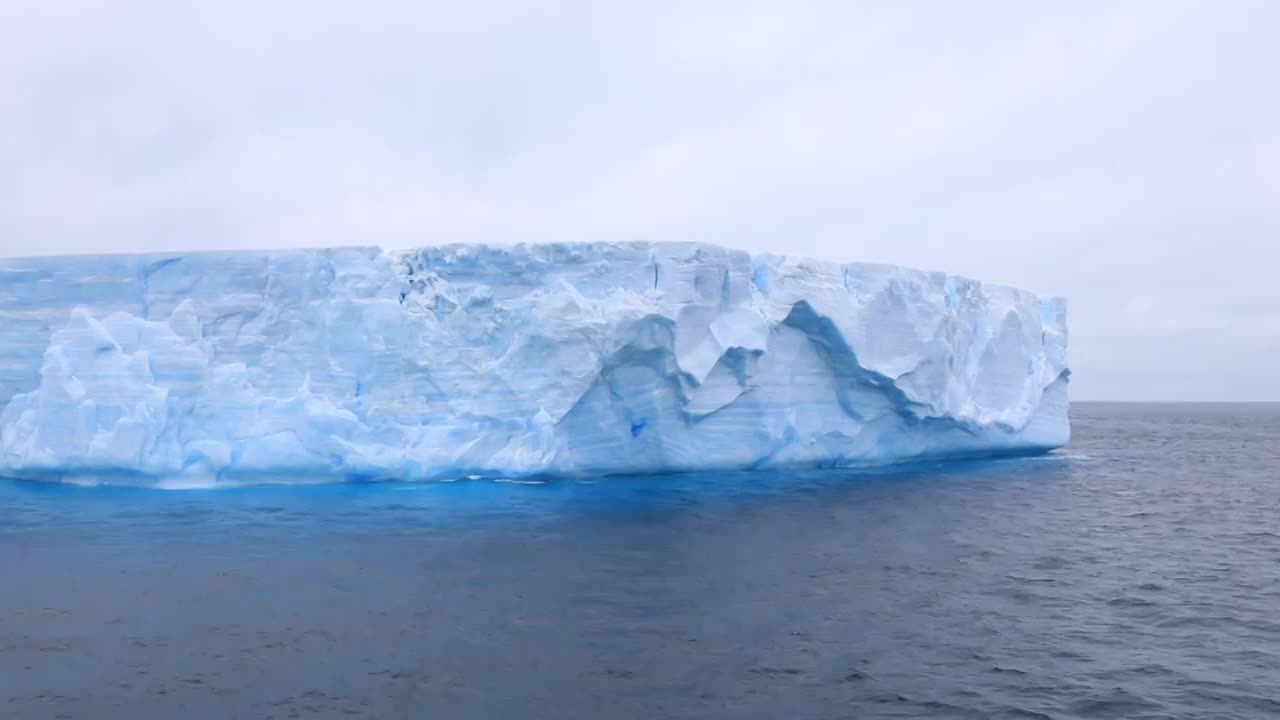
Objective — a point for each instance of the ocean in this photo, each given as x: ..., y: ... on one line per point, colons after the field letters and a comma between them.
x: 1133, y: 574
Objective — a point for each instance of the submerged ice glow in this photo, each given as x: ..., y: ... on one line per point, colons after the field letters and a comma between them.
x: 562, y: 359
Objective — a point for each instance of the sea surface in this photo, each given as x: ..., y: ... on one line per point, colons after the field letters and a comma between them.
x: 1133, y: 574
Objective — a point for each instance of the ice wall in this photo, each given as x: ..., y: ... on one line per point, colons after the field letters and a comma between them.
x: 564, y: 359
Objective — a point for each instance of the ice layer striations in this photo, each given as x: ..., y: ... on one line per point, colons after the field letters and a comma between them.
x: 532, y: 360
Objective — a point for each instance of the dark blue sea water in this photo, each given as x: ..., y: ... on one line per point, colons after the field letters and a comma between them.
x: 1135, y: 574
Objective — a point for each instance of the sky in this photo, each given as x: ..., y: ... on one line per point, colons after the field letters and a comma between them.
x: 1125, y: 155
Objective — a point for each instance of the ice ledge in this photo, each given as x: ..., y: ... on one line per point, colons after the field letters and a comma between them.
x: 559, y: 359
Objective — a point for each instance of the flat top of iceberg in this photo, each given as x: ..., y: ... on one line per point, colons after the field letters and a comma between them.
x: 488, y: 247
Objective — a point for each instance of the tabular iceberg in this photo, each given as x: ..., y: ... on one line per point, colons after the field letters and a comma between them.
x: 532, y: 360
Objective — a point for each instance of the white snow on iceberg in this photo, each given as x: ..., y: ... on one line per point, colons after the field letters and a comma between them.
x: 563, y: 359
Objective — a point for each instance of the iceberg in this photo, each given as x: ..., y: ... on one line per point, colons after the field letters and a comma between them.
x: 443, y: 362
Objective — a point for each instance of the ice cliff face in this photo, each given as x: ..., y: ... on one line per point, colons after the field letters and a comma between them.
x: 443, y: 362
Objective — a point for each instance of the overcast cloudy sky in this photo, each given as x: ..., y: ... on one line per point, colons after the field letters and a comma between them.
x: 1123, y: 154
